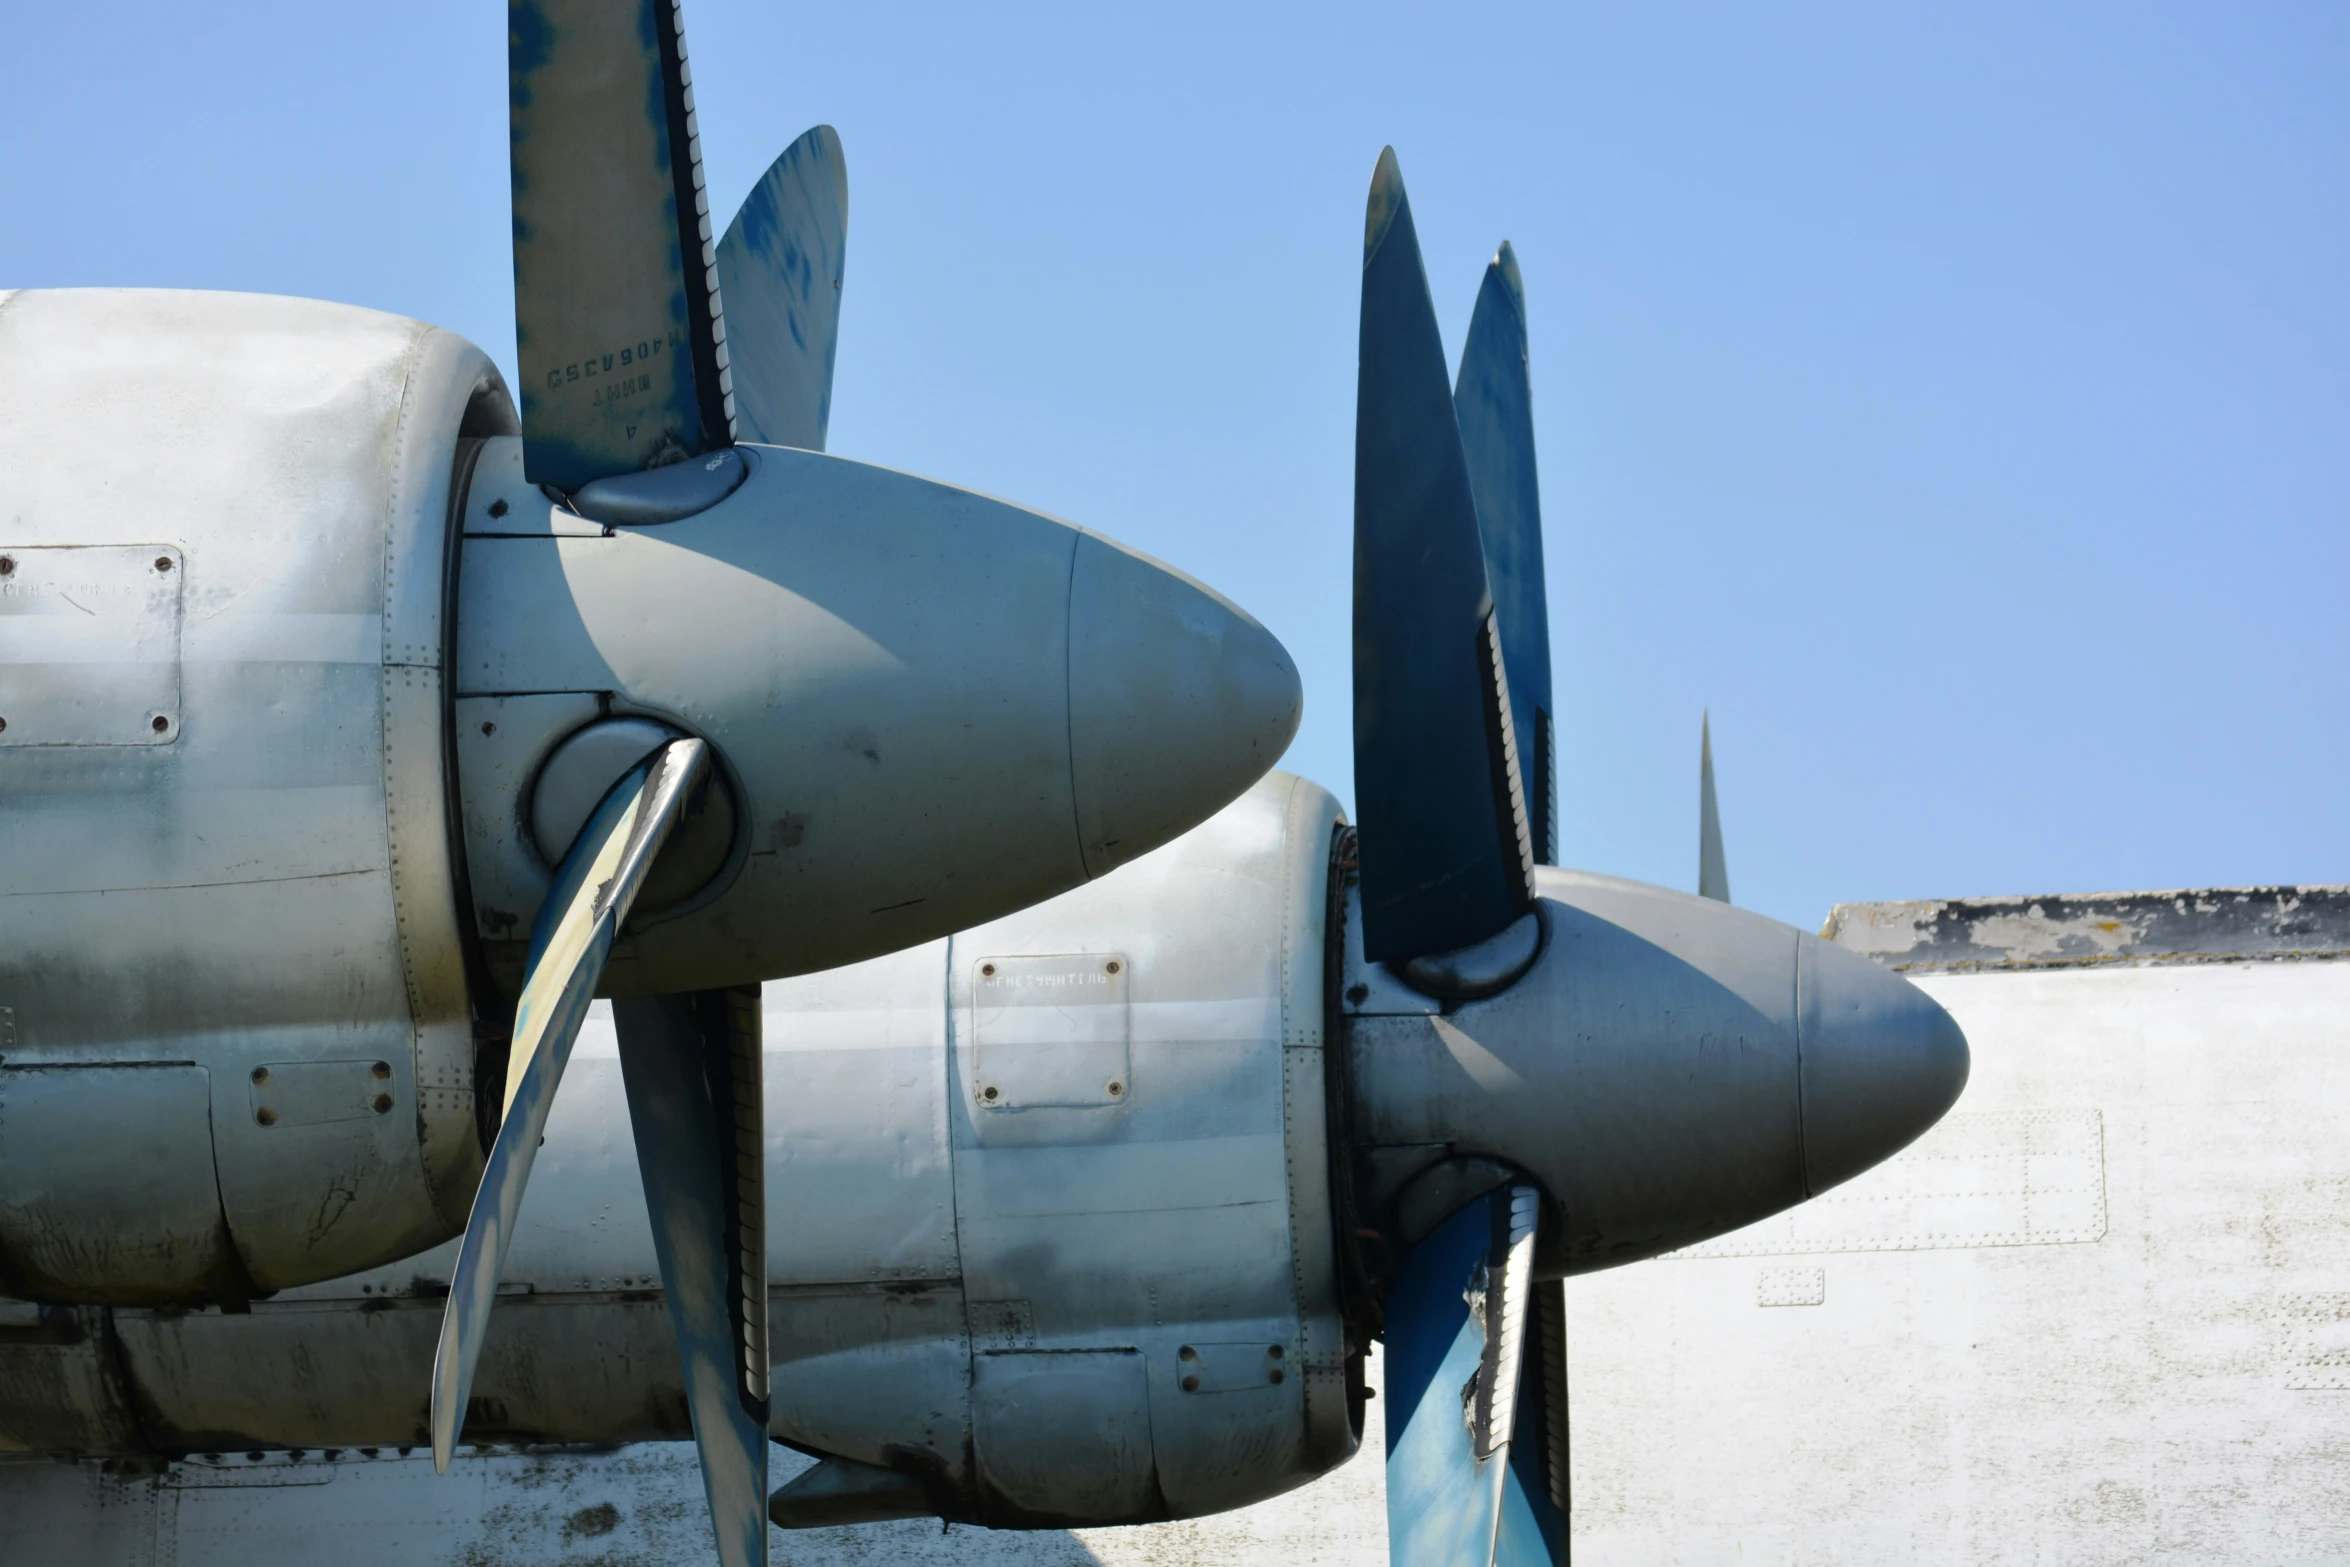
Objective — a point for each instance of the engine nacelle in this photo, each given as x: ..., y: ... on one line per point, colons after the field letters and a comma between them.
x: 242, y: 1049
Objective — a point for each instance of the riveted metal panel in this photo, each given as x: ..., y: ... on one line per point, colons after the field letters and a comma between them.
x: 1167, y: 1217
x: 89, y: 644
x: 1050, y: 1030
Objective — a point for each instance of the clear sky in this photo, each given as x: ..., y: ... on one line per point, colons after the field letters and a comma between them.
x: 1955, y: 399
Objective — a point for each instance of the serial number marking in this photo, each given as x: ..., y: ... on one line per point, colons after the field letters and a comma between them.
x: 597, y: 364
x: 613, y: 391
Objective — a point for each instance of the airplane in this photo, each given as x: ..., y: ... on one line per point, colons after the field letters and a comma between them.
x: 1092, y: 1213
x: 357, y: 729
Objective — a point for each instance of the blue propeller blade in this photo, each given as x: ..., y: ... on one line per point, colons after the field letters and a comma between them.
x: 1458, y: 1323
x: 1446, y: 857
x: 691, y: 1065
x: 616, y: 305
x: 780, y: 268
x: 1496, y: 408
x: 1533, y: 1530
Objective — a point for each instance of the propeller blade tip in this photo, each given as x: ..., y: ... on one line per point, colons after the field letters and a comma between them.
x: 1387, y: 198
x: 1505, y: 261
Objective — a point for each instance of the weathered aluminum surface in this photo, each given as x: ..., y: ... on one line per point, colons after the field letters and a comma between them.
x: 273, y: 883
x: 2210, y: 925
x: 90, y: 644
x: 930, y: 1260
x: 1167, y: 1216
x: 860, y: 645
x: 135, y: 1213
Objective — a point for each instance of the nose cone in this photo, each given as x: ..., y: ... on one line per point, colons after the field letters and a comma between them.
x: 1880, y: 1063
x: 1178, y: 701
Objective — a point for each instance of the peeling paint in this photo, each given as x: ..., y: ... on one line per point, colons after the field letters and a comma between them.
x: 2205, y: 925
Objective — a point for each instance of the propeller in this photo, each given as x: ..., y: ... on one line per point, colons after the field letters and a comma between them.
x: 1713, y: 872
x: 625, y: 368
x: 780, y: 269
x: 1452, y: 696
x: 1435, y: 738
x: 1545, y: 1091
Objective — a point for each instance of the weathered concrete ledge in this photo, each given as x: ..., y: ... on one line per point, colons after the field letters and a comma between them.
x: 2078, y: 930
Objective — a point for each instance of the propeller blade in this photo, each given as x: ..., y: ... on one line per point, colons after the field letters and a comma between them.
x: 1533, y: 1527
x: 1446, y: 858
x: 616, y: 304
x: 779, y: 268
x: 1713, y: 872
x: 691, y: 1064
x: 1495, y: 404
x: 1457, y: 1320
x: 594, y: 887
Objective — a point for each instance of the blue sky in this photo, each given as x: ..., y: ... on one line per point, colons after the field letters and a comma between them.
x: 1956, y: 400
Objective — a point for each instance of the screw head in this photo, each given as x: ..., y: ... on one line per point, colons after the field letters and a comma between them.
x: 261, y: 1074
x: 1187, y: 1353
x: 1191, y: 1384
x: 159, y: 723
x: 1111, y: 967
x: 163, y: 563
x: 488, y: 728
x: 7, y: 565
x: 380, y: 1071
x: 1116, y: 1088
x: 266, y: 1116
x: 990, y: 1093
x: 987, y: 971
x: 383, y: 1104
x: 1273, y: 1375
